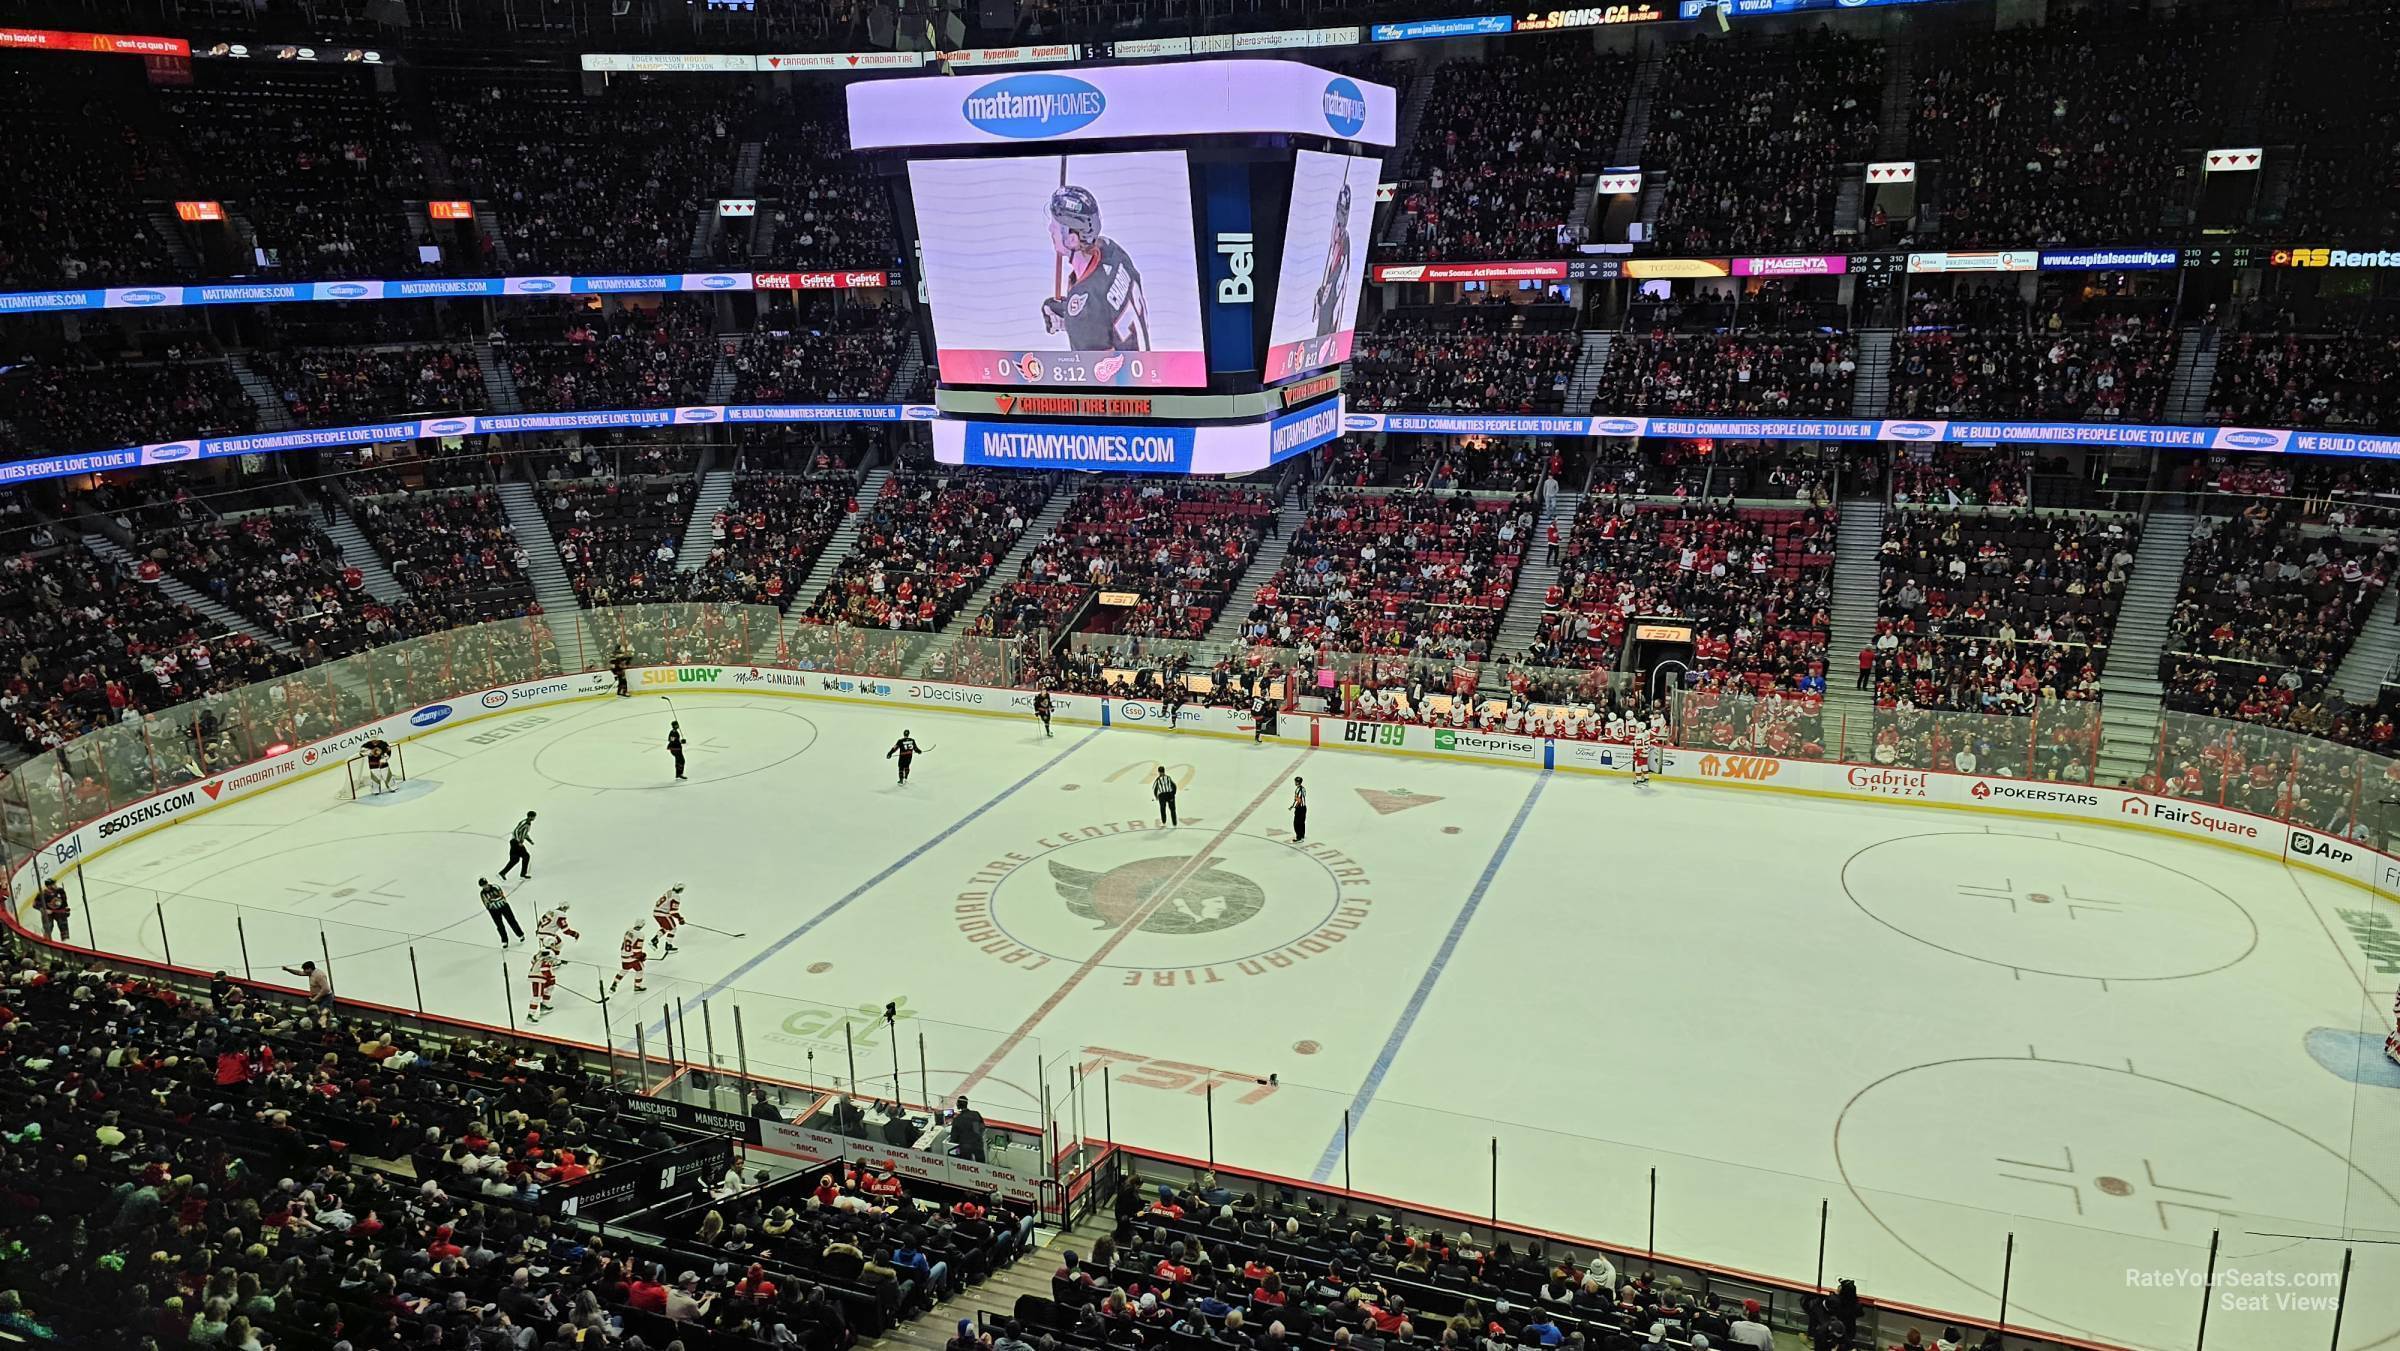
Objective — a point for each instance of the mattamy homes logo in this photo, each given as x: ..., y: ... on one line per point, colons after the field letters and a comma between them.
x: 1030, y: 107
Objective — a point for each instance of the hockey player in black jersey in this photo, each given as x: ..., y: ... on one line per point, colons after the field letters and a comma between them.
x: 906, y: 750
x: 1336, y: 281
x: 1102, y: 308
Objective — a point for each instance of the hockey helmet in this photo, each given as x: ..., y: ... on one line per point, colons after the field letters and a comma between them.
x: 1341, y: 204
x: 1076, y: 209
x: 677, y: 888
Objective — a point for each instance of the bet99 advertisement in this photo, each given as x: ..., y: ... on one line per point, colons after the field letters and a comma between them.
x: 1324, y: 261
x: 1074, y: 270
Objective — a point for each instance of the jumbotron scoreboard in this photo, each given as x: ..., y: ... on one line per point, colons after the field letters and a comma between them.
x: 1149, y: 268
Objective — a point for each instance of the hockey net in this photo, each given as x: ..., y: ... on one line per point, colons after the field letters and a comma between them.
x: 356, y: 784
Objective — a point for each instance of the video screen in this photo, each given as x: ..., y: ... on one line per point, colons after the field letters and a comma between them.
x: 1324, y: 261
x: 1062, y: 269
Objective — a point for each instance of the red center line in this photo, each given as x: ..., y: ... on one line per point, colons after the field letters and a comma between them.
x: 1136, y: 920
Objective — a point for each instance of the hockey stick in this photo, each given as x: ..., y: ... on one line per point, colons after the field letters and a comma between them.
x: 1058, y: 261
x: 715, y: 930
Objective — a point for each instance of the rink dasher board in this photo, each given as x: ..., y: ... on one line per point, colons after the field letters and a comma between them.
x: 814, y: 1147
x: 2328, y: 855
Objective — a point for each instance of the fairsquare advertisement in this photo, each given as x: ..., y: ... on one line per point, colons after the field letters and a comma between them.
x: 1324, y: 260
x: 1062, y: 270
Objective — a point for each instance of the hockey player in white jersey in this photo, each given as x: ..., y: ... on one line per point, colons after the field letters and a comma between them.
x: 552, y: 930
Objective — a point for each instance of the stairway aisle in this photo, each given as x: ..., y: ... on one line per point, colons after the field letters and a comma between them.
x: 169, y: 232
x: 997, y: 1297
x: 1590, y: 364
x: 1857, y: 581
x: 185, y: 594
x: 1393, y: 229
x: 1041, y: 527
x: 1871, y: 390
x: 2129, y: 684
x: 358, y: 552
x: 499, y: 384
x: 2370, y: 660
x: 716, y: 486
x: 1521, y: 622
x: 2195, y: 373
x: 273, y: 416
x: 1263, y: 566
x: 723, y: 377
x: 906, y: 370
x: 820, y: 572
x: 549, y: 577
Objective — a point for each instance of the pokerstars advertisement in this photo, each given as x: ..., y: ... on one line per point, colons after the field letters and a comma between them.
x: 1324, y: 260
x: 1062, y: 269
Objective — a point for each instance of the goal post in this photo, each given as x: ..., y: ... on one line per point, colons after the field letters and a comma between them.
x: 356, y: 783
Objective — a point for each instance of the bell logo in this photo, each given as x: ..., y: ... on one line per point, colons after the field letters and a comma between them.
x: 1240, y: 259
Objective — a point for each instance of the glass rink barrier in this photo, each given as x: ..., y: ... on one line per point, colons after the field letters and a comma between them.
x: 2264, y: 1271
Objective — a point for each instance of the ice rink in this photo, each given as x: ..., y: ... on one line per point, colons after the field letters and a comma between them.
x: 1926, y: 1030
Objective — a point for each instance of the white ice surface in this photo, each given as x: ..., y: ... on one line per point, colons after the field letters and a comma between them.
x: 1946, y: 1030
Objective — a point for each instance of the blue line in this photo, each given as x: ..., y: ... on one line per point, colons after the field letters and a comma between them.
x: 1425, y: 984
x: 726, y: 981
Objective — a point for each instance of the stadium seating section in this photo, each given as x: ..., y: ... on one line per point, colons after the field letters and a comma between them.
x: 1754, y: 136
x: 2267, y: 610
x: 1996, y: 611
x: 1413, y: 572
x: 925, y: 545
x: 1175, y: 549
x: 1757, y: 582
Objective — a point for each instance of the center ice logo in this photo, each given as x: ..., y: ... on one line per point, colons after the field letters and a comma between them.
x: 1030, y: 107
x: 1205, y: 901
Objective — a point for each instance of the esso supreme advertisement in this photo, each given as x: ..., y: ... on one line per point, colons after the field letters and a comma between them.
x: 1062, y: 269
x: 1324, y: 260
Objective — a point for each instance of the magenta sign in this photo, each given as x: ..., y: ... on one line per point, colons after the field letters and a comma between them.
x: 1794, y: 265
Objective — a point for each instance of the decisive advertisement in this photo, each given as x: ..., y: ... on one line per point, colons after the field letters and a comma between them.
x: 1324, y: 260
x: 1062, y: 269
